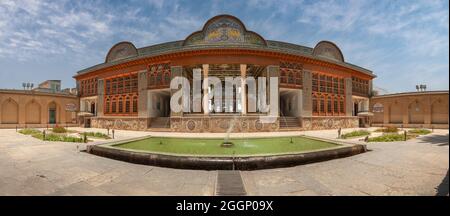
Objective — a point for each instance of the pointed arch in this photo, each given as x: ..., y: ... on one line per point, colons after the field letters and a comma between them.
x: 395, y: 113
x: 33, y: 112
x: 439, y: 112
x: 53, y: 111
x: 415, y: 112
x: 10, y: 112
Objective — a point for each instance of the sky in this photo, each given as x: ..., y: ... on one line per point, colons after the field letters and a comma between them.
x: 404, y: 42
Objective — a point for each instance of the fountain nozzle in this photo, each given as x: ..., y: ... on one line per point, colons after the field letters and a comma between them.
x: 226, y: 144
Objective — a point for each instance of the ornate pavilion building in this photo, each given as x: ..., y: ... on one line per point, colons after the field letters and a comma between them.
x: 317, y: 88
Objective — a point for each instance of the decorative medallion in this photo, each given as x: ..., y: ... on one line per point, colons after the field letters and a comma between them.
x: 244, y: 125
x: 190, y: 125
x: 224, y: 29
x: 330, y: 123
x: 274, y: 126
x: 258, y: 125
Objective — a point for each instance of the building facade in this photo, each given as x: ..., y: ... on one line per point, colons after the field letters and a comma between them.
x: 131, y: 89
x: 427, y: 109
x: 30, y: 108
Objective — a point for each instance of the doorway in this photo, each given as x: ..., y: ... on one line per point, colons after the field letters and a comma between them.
x: 52, y: 116
x: 93, y: 108
x: 52, y: 113
x: 355, y: 109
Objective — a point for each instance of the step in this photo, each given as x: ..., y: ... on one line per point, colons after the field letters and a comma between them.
x: 160, y: 122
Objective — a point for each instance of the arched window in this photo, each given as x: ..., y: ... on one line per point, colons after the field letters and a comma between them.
x: 159, y: 78
x: 152, y: 79
x: 167, y: 78
x: 322, y: 104
x: 127, y: 105
x: 298, y: 80
x: 121, y: 105
x: 135, y: 104
x: 114, y: 105
x: 329, y: 108
x: 335, y: 106
x: 314, y: 104
x: 291, y: 79
x: 107, y: 104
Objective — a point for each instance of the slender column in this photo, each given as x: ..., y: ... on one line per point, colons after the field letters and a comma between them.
x: 205, y: 90
x: 306, y: 94
x: 243, y: 89
x: 348, y: 96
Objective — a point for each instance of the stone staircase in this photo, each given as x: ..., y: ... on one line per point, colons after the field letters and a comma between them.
x: 289, y: 122
x: 160, y: 124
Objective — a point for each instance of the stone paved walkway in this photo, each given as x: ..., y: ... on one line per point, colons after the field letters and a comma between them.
x: 32, y: 167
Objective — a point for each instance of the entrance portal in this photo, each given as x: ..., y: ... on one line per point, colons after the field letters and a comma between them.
x: 52, y: 113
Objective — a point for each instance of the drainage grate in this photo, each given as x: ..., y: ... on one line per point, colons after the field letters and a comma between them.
x: 229, y: 183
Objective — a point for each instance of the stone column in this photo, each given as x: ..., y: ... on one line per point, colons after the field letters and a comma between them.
x: 100, y: 97
x: 176, y: 71
x: 306, y: 109
x: 142, y: 98
x: 348, y: 96
x: 243, y: 89
x: 299, y: 103
x: 205, y: 91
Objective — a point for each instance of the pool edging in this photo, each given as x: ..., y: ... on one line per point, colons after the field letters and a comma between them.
x: 224, y: 162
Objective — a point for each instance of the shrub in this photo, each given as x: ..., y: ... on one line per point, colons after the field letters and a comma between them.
x: 96, y: 134
x: 38, y: 136
x: 72, y: 139
x: 391, y: 137
x: 53, y: 137
x: 420, y: 131
x: 59, y: 129
x: 389, y: 129
x: 356, y: 133
x: 61, y: 138
x: 29, y: 131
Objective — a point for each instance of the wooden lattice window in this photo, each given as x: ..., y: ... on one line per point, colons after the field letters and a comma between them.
x: 158, y: 76
x: 135, y: 104
x: 290, y: 75
x: 329, y: 90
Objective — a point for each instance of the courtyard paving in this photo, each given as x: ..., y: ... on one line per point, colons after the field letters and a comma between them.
x: 29, y: 166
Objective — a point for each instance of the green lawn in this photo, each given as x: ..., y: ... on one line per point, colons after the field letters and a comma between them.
x: 205, y: 147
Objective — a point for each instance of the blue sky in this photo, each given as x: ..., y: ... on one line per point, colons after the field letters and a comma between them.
x: 404, y: 42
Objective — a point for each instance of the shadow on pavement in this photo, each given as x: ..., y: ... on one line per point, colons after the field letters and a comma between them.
x: 442, y: 189
x: 437, y: 139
